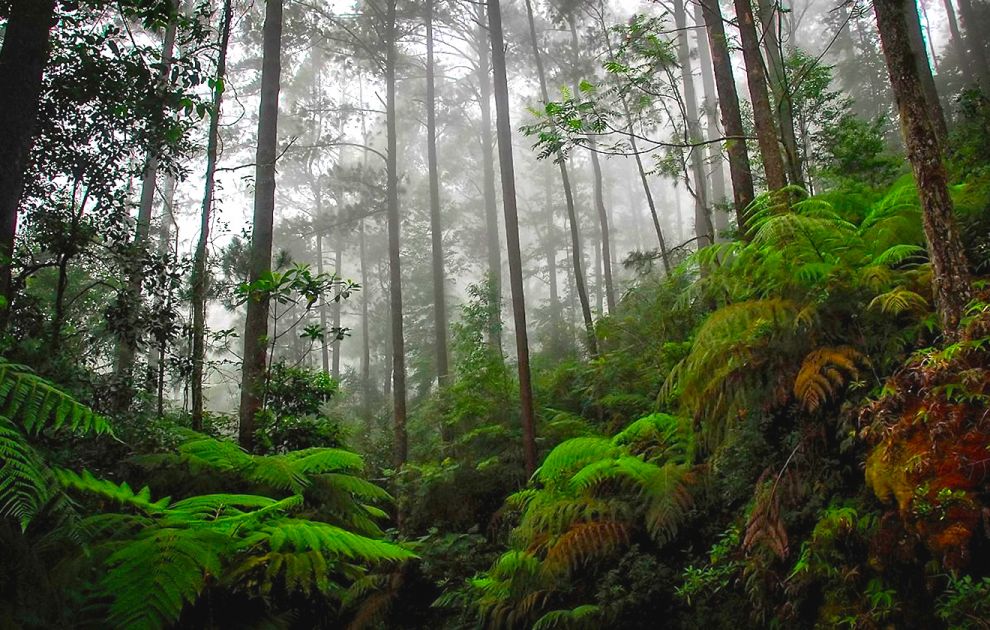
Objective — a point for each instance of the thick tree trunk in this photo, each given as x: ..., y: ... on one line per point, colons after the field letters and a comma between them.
x: 766, y: 131
x: 22, y: 66
x: 720, y: 219
x: 950, y: 271
x: 504, y: 129
x: 488, y: 174
x: 572, y: 218
x: 436, y: 224
x: 401, y: 441
x: 703, y: 228
x: 199, y: 270
x: 256, y: 326
x: 781, y: 90
x: 728, y: 102
x: 923, y: 69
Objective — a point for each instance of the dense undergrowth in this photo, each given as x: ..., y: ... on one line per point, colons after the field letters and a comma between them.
x: 775, y: 435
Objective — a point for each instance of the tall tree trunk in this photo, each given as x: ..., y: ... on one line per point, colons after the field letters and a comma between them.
x: 766, y: 131
x: 976, y: 44
x: 488, y: 175
x: 504, y: 130
x: 22, y: 66
x: 703, y: 228
x: 596, y: 168
x: 325, y: 342
x: 728, y: 102
x: 923, y: 69
x: 550, y: 250
x: 199, y: 269
x: 401, y: 443
x: 572, y: 217
x: 958, y: 46
x: 950, y: 271
x: 338, y: 262
x: 365, y: 337
x: 781, y: 90
x: 717, y: 177
x: 436, y: 225
x: 127, y: 344
x: 256, y: 326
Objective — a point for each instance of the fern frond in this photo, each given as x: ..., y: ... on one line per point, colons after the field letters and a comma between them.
x: 36, y: 404
x: 587, y: 616
x: 572, y: 455
x: 24, y: 479
x: 823, y: 372
x: 121, y: 494
x: 582, y: 543
x: 898, y: 301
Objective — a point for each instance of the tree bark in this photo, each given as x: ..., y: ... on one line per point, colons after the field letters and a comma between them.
x: 338, y: 262
x: 22, y: 66
x: 504, y: 130
x: 365, y: 338
x: 766, y: 131
x: 958, y: 45
x: 975, y: 43
x: 781, y: 90
x: 199, y: 270
x: 728, y: 102
x: 572, y: 218
x: 401, y: 441
x: 256, y: 326
x: 719, y: 218
x: 324, y: 343
x: 950, y: 270
x: 703, y: 228
x: 436, y: 224
x: 488, y: 175
x: 916, y: 40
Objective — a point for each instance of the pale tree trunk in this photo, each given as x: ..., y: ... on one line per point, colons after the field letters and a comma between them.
x: 365, y: 338
x: 127, y: 345
x: 23, y: 57
x: 550, y: 250
x: 504, y: 130
x: 488, y: 175
x: 923, y: 69
x: 572, y: 218
x: 702, y: 221
x: 605, y: 251
x: 338, y: 261
x: 720, y: 219
x: 401, y: 440
x: 256, y: 325
x: 740, y: 172
x: 436, y: 225
x: 950, y: 270
x: 781, y: 90
x: 325, y: 342
x: 958, y: 46
x: 199, y: 269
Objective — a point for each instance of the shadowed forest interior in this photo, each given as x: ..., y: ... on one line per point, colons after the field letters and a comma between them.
x: 496, y: 314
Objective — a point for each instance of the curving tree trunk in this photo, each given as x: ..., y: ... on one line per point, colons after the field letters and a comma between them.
x: 504, y: 130
x: 199, y: 268
x: 256, y: 325
x: 950, y: 270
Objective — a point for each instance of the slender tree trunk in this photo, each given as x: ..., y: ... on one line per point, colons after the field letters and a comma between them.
x: 916, y: 39
x: 436, y: 225
x: 488, y: 175
x: 550, y: 249
x: 605, y: 252
x: 338, y: 262
x: 728, y: 102
x: 365, y: 337
x: 572, y: 217
x: 504, y: 129
x: 22, y: 66
x: 976, y: 44
x: 199, y: 270
x: 702, y: 220
x: 715, y: 159
x: 781, y: 90
x: 958, y: 46
x: 766, y: 131
x: 256, y: 326
x: 950, y: 270
x: 127, y: 344
x: 324, y: 343
x: 401, y: 444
